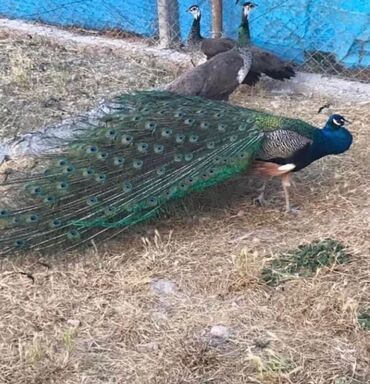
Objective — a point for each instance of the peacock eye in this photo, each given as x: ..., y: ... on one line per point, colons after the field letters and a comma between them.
x: 158, y: 148
x: 101, y: 178
x: 62, y: 185
x: 142, y: 147
x: 166, y: 132
x: 73, y: 234
x: 15, y: 220
x: 111, y: 134
x: 138, y: 164
x: 55, y: 223
x: 92, y: 149
x: 127, y: 187
x: 118, y: 161
x: 193, y: 138
x: 188, y: 156
x: 19, y: 243
x: 4, y: 213
x: 161, y: 171
x: 178, y: 157
x: 32, y: 218
x: 189, y: 121
x: 92, y: 200
x: 180, y: 138
x: 50, y: 200
x: 127, y: 139
x: 204, y: 125
x: 152, y: 201
x: 151, y: 125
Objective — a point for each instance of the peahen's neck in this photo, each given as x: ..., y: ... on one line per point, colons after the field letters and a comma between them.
x: 244, y: 33
x: 194, y: 35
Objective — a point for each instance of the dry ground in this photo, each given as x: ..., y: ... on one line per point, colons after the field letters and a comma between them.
x: 140, y: 309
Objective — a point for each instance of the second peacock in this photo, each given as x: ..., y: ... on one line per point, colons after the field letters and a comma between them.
x: 149, y: 148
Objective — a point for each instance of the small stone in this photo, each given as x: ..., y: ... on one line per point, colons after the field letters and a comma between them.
x: 220, y: 332
x: 164, y: 287
x: 151, y: 346
x: 74, y: 323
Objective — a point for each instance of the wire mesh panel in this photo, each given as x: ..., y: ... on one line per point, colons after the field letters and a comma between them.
x: 126, y: 15
x: 331, y: 37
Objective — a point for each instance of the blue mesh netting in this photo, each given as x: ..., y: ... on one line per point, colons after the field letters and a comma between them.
x: 329, y: 35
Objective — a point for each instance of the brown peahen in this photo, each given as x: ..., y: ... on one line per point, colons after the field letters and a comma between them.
x: 262, y: 61
x: 209, y: 46
x: 149, y: 148
x: 217, y: 78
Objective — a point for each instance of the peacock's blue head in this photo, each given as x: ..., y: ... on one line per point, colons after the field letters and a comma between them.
x: 195, y: 11
x: 336, y: 121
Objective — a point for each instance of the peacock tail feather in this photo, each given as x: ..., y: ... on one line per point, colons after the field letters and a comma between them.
x: 149, y: 148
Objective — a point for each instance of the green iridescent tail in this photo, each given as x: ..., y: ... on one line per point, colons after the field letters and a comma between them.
x: 151, y: 147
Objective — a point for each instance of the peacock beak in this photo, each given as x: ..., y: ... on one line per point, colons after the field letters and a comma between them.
x: 347, y: 121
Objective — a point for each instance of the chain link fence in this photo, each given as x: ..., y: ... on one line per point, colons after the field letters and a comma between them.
x: 331, y: 38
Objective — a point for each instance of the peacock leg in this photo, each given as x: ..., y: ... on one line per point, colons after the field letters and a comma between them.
x: 285, y: 181
x: 260, y: 199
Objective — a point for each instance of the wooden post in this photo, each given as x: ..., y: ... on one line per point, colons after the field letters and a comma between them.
x: 168, y: 23
x: 217, y: 18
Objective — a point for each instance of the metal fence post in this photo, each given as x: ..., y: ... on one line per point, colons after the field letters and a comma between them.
x: 217, y: 18
x: 168, y: 23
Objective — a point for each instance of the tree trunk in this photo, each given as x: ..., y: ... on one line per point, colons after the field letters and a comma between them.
x: 168, y: 23
x: 217, y: 18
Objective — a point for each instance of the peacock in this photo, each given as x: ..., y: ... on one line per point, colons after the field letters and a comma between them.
x: 290, y: 150
x: 217, y: 78
x: 262, y: 61
x: 148, y: 148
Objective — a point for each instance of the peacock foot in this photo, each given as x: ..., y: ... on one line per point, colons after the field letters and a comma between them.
x: 260, y: 200
x: 292, y: 211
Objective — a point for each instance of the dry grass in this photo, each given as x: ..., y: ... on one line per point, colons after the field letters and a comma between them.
x: 97, y: 317
x: 43, y: 81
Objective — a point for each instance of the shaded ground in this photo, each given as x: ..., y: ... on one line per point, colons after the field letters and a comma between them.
x: 103, y: 317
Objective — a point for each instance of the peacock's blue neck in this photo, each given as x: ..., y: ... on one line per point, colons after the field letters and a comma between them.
x: 330, y: 141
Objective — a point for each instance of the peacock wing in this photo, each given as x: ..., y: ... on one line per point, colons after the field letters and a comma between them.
x: 270, y: 64
x: 212, y: 47
x: 148, y: 149
x: 284, y: 137
x: 215, y: 79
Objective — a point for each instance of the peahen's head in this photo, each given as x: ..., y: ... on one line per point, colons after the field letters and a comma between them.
x: 335, y: 121
x: 244, y: 32
x: 247, y: 7
x: 195, y: 11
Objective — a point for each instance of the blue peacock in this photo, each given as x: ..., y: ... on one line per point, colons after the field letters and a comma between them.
x: 148, y: 148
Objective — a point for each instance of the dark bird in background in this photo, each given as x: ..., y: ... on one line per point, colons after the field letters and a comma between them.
x: 262, y: 61
x: 218, y: 77
x: 210, y: 47
x: 147, y: 149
